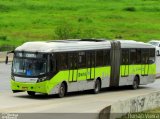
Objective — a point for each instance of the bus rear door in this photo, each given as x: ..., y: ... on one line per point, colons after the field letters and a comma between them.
x: 124, y: 63
x: 145, y: 63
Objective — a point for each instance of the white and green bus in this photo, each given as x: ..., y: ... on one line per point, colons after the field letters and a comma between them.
x: 62, y: 66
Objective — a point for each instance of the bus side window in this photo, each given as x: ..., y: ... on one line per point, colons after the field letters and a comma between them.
x: 145, y: 56
x: 133, y: 56
x: 106, y: 56
x: 82, y: 59
x: 63, y: 61
x: 53, y: 67
x: 70, y: 63
x: 138, y: 56
x: 125, y: 57
x: 151, y: 56
x: 88, y: 59
x: 99, y: 58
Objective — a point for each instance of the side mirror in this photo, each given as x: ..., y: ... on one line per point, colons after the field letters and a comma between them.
x: 6, y: 61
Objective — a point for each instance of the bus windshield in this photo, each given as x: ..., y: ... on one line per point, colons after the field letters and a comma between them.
x: 29, y: 67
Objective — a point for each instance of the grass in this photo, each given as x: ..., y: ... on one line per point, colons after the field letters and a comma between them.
x: 149, y: 114
x: 31, y: 20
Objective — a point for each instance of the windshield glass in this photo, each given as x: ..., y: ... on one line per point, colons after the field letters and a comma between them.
x: 29, y: 67
x: 154, y: 43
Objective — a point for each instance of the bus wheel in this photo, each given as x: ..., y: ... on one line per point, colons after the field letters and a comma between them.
x: 97, y: 87
x: 31, y: 93
x: 62, y: 91
x: 135, y: 84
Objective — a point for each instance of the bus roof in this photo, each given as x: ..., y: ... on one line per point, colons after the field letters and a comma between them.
x: 62, y: 46
x: 134, y: 44
x: 77, y: 45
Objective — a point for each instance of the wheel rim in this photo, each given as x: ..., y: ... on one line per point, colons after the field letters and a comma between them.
x: 97, y: 86
x: 62, y: 91
x: 135, y: 85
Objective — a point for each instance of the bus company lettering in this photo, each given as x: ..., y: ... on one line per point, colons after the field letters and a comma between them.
x: 138, y: 69
x: 83, y: 74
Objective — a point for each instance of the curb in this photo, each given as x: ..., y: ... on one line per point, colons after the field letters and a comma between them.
x: 136, y: 104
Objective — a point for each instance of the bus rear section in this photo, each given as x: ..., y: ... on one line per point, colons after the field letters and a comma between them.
x: 137, y: 64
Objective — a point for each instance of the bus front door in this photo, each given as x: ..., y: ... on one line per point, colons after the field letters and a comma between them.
x: 73, y: 67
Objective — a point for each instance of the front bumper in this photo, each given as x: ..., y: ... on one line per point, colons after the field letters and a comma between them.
x: 41, y: 87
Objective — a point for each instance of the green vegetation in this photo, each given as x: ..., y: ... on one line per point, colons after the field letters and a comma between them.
x: 154, y: 111
x: 27, y: 20
x: 150, y: 114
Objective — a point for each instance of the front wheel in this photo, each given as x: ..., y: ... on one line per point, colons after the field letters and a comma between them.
x: 62, y: 91
x: 31, y: 93
x: 97, y: 87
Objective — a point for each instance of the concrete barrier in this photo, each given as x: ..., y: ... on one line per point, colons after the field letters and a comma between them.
x: 158, y: 66
x: 136, y: 104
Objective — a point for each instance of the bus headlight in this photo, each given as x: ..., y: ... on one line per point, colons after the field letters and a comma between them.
x: 41, y: 79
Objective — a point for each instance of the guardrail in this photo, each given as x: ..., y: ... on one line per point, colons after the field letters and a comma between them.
x: 136, y: 104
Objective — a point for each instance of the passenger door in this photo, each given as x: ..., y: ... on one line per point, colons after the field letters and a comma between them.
x: 145, y: 62
x: 125, y: 63
x: 73, y: 70
x: 90, y: 57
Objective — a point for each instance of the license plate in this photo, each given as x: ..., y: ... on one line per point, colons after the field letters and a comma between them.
x: 24, y: 88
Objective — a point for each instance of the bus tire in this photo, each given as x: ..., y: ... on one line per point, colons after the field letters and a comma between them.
x: 135, y: 84
x: 62, y: 91
x: 97, y: 87
x: 31, y: 93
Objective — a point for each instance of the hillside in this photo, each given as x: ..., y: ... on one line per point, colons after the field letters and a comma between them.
x: 26, y: 20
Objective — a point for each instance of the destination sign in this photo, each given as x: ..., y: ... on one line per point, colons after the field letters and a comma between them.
x: 29, y: 55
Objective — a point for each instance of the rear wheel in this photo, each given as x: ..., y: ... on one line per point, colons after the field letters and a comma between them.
x: 97, y: 87
x: 62, y: 91
x: 135, y: 84
x: 31, y: 93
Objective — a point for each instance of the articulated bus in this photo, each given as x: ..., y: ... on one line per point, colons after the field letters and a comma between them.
x: 62, y: 66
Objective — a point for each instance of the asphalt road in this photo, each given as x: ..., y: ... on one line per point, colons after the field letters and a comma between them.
x: 89, y: 105
x: 5, y: 71
x: 80, y: 102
